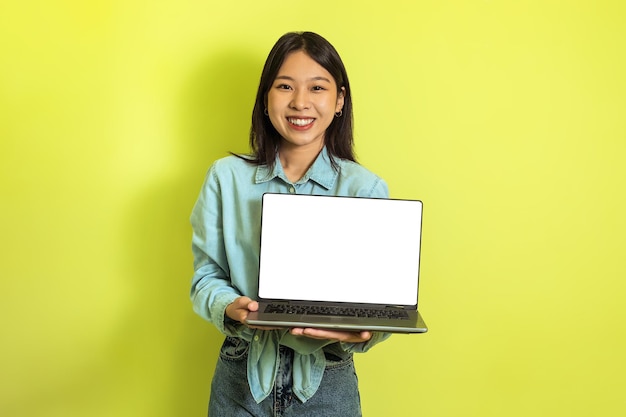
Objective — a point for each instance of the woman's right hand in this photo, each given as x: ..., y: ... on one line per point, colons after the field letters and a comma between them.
x: 238, y: 310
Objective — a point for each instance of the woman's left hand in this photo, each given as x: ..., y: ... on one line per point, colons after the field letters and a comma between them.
x: 349, y: 337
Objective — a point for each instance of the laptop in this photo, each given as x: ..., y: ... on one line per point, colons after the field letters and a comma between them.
x: 341, y: 263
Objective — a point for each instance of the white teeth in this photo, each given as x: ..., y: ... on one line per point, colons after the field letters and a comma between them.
x: 300, y: 122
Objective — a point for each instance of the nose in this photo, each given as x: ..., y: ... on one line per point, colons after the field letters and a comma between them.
x: 300, y: 99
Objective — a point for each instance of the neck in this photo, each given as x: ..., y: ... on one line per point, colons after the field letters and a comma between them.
x: 296, y: 160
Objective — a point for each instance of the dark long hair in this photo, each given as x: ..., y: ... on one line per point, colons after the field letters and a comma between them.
x: 264, y: 139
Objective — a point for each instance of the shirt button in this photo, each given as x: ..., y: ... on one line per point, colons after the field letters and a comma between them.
x: 256, y: 338
x: 292, y: 190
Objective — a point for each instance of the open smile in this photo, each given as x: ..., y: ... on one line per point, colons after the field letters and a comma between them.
x: 300, y: 122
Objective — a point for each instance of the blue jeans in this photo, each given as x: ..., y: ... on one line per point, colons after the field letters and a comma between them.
x: 338, y: 394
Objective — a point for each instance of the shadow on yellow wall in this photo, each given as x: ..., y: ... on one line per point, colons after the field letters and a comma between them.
x: 215, y: 110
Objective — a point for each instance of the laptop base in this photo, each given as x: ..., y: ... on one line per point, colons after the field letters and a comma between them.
x: 415, y: 323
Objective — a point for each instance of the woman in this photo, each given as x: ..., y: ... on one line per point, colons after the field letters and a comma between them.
x: 301, y: 140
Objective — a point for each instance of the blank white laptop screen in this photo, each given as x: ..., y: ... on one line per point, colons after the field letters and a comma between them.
x: 340, y: 249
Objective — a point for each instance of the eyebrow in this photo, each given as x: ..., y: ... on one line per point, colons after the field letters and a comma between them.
x: 286, y: 77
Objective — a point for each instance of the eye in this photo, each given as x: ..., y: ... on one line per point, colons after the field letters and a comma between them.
x: 318, y: 88
x: 283, y: 86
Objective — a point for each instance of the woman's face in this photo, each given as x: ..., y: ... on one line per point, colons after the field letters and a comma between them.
x: 302, y: 101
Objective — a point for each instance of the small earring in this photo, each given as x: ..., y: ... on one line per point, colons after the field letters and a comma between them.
x: 339, y: 113
x: 266, y: 112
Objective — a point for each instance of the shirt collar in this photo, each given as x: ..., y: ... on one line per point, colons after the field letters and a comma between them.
x: 322, y: 172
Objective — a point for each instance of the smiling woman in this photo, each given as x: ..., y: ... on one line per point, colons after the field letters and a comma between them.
x: 301, y: 141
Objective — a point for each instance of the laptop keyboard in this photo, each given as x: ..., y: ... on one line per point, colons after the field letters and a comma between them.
x: 337, y: 311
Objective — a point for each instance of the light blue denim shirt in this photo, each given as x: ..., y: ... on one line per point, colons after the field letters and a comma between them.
x: 226, y: 223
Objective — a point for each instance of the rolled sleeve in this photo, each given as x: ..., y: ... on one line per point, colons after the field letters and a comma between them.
x: 211, y: 291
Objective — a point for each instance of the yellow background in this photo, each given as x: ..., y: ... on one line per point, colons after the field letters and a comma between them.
x: 507, y: 118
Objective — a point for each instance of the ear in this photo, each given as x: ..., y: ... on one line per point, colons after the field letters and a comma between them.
x: 340, y: 98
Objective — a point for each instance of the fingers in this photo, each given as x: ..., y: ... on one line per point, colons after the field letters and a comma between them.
x: 349, y: 337
x: 238, y: 310
x: 243, y: 301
